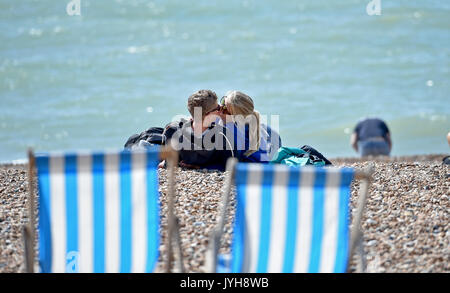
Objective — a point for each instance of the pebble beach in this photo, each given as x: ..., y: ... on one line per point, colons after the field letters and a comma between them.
x: 405, y: 223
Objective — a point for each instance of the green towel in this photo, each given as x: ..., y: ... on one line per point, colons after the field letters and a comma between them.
x: 293, y: 157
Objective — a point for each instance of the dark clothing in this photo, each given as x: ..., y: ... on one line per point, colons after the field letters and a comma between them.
x: 373, y: 148
x: 371, y: 128
x: 372, y: 137
x: 153, y: 135
x: 211, y: 150
x: 315, y: 155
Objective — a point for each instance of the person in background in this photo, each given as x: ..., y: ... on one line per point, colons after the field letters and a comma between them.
x: 371, y: 137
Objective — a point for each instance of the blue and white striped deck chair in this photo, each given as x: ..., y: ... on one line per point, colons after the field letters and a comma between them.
x: 289, y: 219
x: 98, y: 212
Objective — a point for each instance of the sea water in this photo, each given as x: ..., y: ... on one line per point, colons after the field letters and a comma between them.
x: 89, y: 81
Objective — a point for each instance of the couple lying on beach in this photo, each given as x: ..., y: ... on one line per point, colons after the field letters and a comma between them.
x: 216, y: 132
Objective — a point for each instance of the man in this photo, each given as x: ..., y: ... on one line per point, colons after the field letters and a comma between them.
x: 201, y: 141
x: 371, y: 136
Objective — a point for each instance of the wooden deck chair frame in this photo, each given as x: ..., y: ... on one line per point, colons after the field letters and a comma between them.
x: 29, y: 230
x: 364, y: 176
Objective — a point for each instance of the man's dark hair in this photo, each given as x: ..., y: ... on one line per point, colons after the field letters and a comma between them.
x: 205, y: 99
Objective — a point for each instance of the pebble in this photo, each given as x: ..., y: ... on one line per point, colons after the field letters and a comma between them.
x: 371, y: 222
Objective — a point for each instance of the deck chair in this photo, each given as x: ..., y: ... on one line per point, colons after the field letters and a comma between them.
x: 289, y: 219
x: 98, y: 212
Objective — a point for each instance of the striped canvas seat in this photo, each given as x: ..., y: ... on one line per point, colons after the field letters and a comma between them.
x: 290, y: 220
x: 98, y: 212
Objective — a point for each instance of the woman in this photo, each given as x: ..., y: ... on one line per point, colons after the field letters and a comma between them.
x: 256, y: 142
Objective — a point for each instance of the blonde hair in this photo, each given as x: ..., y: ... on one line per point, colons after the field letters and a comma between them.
x: 239, y: 103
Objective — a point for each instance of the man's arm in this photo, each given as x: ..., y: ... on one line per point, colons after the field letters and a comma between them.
x: 354, y: 141
x: 389, y: 141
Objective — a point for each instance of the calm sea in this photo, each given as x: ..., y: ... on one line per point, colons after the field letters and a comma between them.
x: 91, y: 81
